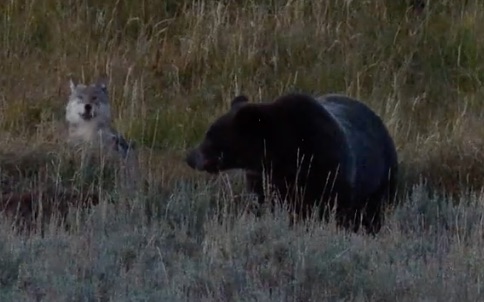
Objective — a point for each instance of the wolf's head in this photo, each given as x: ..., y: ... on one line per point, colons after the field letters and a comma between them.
x: 88, y: 103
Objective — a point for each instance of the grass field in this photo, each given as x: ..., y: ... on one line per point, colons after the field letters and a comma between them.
x: 173, y: 67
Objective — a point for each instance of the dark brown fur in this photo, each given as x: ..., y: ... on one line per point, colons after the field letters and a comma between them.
x: 299, y: 144
x: 26, y: 208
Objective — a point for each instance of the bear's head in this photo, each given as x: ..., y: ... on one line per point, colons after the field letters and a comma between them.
x: 235, y: 140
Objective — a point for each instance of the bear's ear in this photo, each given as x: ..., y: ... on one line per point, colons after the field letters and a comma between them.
x: 253, y: 119
x: 238, y: 101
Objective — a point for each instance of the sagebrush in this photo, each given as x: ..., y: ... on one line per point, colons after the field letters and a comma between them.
x: 173, y: 66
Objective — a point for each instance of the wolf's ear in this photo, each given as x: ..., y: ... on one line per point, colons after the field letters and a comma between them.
x: 72, y: 84
x: 102, y: 82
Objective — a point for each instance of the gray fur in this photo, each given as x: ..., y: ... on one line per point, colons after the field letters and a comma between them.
x: 368, y: 149
x: 88, y: 114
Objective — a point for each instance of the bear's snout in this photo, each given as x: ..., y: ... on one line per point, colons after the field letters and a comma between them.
x: 194, y: 159
x: 198, y: 161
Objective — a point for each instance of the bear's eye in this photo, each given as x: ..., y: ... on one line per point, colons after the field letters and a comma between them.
x: 211, y: 133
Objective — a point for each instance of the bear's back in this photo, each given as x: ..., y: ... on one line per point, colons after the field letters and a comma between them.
x: 371, y: 147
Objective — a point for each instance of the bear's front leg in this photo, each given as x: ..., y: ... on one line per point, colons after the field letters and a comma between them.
x: 255, y: 185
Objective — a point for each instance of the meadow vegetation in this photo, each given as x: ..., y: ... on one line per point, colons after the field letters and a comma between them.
x: 173, y: 67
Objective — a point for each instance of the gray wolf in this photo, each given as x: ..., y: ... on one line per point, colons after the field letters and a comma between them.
x: 88, y: 114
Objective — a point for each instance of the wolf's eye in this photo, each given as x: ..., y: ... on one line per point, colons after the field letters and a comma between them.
x: 94, y: 98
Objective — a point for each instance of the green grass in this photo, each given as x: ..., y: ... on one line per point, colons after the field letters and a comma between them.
x: 173, y: 67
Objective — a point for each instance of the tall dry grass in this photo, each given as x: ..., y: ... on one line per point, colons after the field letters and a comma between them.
x: 173, y: 67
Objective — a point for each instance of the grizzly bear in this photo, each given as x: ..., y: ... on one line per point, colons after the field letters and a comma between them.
x: 333, y: 152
